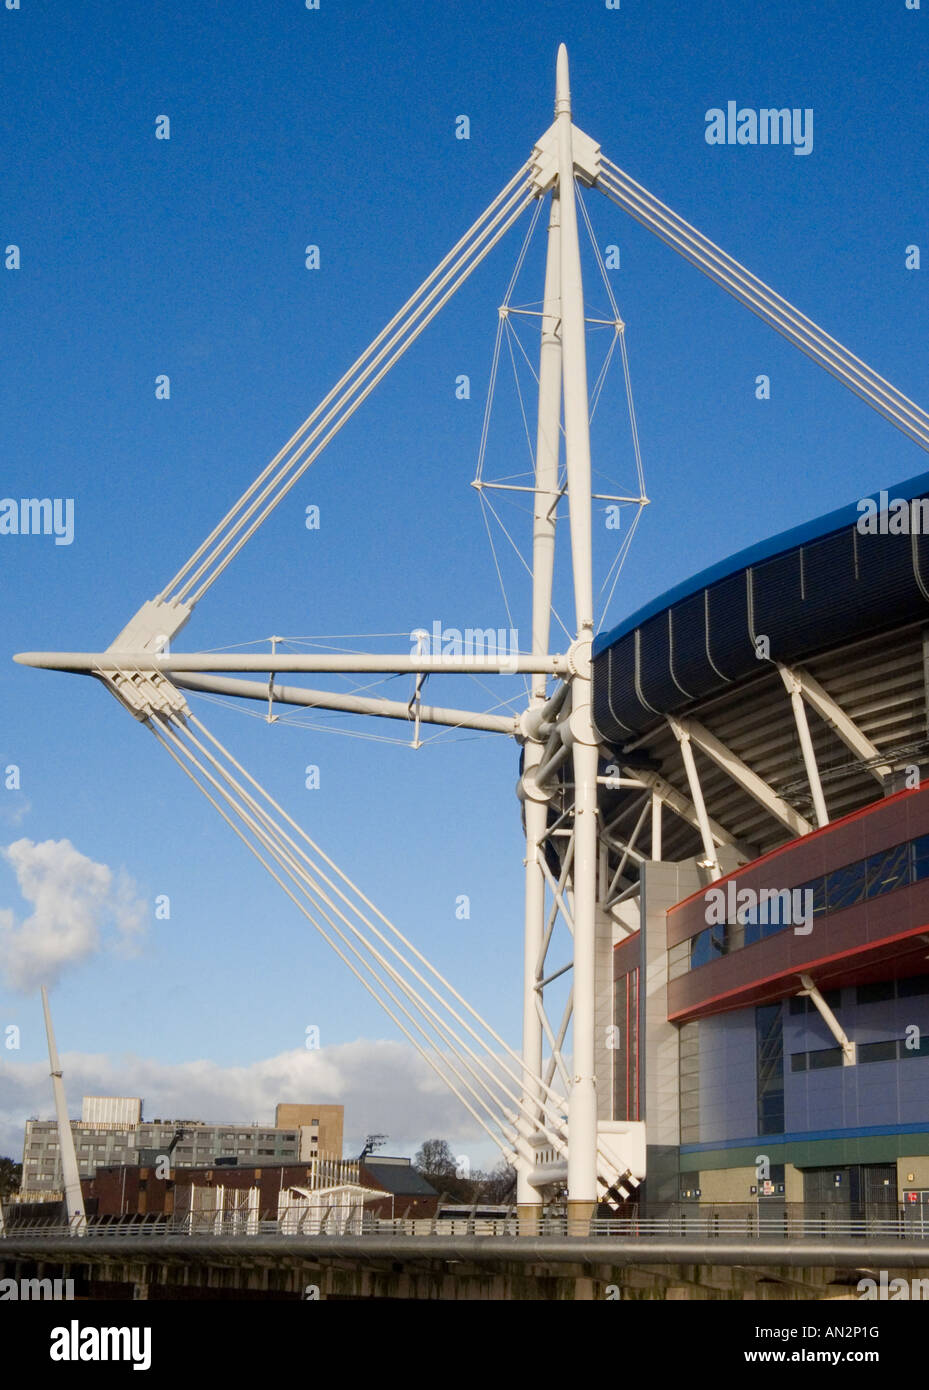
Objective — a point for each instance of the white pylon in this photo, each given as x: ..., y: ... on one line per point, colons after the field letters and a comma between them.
x: 71, y: 1180
x: 582, y: 1106
x: 548, y: 1144
x: 548, y: 442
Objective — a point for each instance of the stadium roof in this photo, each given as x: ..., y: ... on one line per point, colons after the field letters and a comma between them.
x: 845, y: 615
x: 841, y: 518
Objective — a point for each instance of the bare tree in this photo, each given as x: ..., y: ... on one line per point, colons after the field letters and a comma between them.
x: 10, y: 1176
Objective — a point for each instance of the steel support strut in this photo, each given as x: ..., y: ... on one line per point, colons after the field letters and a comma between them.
x: 582, y: 1104
x: 548, y: 440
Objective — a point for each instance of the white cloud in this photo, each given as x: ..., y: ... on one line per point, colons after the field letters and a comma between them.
x: 386, y: 1088
x: 78, y: 907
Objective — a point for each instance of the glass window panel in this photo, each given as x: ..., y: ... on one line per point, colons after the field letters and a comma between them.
x: 878, y: 993
x: 846, y: 886
x: 824, y: 1057
x: 752, y: 929
x: 878, y: 1052
x: 921, y: 857
x: 888, y: 870
x: 709, y: 945
x: 775, y: 909
x: 910, y: 989
x: 798, y: 1061
x: 816, y: 886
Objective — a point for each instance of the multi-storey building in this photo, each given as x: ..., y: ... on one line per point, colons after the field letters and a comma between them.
x: 128, y: 1139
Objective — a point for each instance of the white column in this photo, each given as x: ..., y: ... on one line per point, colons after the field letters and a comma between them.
x: 582, y: 1107
x: 656, y: 826
x: 548, y: 439
x: 795, y: 690
x: 74, y: 1200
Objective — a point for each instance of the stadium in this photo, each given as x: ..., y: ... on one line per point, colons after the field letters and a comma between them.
x: 769, y: 719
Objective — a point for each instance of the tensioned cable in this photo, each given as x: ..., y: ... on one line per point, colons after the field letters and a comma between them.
x: 230, y: 703
x: 486, y: 502
x: 627, y: 379
x: 344, y: 380
x: 158, y: 730
x: 276, y: 841
x: 354, y: 889
x: 286, y: 852
x: 617, y: 564
x: 347, y: 410
x: 194, y: 579
x: 863, y: 380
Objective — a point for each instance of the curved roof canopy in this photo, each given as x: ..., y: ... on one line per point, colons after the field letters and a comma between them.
x: 812, y: 588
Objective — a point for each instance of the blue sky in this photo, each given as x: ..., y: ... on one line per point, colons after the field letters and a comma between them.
x: 139, y: 257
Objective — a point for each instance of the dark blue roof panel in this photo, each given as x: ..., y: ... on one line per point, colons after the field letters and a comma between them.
x: 753, y: 554
x: 803, y: 591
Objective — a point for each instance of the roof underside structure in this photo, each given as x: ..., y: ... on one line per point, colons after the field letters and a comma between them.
x: 834, y: 613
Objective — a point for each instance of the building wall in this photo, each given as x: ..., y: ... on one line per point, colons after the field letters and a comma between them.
x: 131, y: 1191
x: 98, y: 1145
x: 659, y: 1057
x: 873, y: 1095
x: 321, y: 1125
x: 877, y: 933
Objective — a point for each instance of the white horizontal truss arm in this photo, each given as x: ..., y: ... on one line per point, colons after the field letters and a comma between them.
x: 286, y: 661
x: 351, y: 704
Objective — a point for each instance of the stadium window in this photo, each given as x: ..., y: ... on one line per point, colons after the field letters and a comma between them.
x: 911, y: 989
x: 878, y: 993
x: 803, y: 1004
x: 922, y: 1051
x: 824, y: 1057
x: 751, y: 928
x: 700, y: 949
x: 878, y: 1052
x: 888, y: 870
x: 798, y: 1061
x: 769, y: 1063
x: 845, y: 886
x: 921, y: 857
x: 816, y: 886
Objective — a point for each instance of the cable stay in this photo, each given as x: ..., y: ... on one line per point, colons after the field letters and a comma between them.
x: 755, y: 295
x: 241, y: 522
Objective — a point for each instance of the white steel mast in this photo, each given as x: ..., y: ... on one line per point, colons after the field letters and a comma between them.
x: 74, y: 1200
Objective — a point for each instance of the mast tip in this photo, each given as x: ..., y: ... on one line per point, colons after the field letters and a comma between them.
x: 562, y: 83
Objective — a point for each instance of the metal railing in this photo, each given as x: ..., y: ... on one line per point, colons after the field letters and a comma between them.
x: 682, y: 1225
